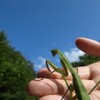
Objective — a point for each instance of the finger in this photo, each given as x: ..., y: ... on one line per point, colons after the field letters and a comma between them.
x: 95, y: 95
x: 53, y: 97
x: 53, y: 86
x: 89, y: 46
x: 46, y: 87
x: 44, y: 73
x: 95, y: 70
x: 84, y: 73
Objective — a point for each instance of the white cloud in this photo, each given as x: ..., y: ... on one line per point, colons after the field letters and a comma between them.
x: 40, y: 64
x: 73, y: 54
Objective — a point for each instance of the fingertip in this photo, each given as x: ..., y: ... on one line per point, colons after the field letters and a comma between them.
x: 88, y: 46
x: 29, y: 88
x: 37, y: 88
x: 43, y: 73
x: 79, y: 41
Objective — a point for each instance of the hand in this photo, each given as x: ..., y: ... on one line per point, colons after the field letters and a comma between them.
x: 53, y: 89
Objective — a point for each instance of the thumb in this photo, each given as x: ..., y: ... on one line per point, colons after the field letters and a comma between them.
x: 89, y: 46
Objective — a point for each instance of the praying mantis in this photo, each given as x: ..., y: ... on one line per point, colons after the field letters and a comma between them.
x: 76, y: 85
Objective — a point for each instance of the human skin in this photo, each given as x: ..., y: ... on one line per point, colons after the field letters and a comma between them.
x: 53, y: 88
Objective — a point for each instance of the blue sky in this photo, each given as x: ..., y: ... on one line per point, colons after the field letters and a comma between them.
x: 34, y: 27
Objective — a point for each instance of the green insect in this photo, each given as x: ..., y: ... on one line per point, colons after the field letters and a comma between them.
x: 76, y: 85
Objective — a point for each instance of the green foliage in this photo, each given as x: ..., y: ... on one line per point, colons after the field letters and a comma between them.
x: 85, y: 60
x: 15, y: 72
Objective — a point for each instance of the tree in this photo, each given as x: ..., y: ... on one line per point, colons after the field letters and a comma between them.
x: 15, y: 72
x: 85, y: 60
